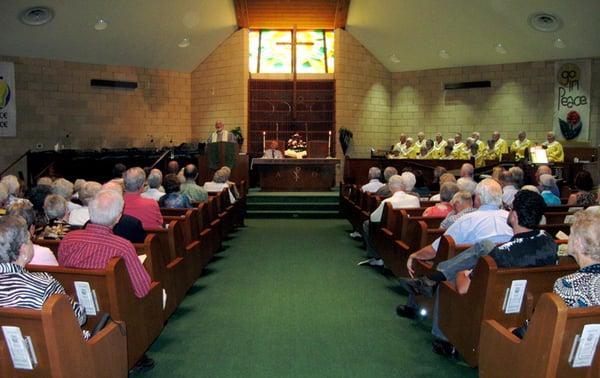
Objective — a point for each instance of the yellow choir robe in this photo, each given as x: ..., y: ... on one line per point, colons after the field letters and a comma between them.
x: 500, y: 148
x: 438, y: 149
x: 459, y: 152
x: 555, y: 152
x: 519, y: 148
x: 411, y: 152
x: 482, y: 147
x: 420, y: 144
x: 400, y: 148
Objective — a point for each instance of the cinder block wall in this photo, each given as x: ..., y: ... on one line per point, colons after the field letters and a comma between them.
x: 220, y: 88
x: 521, y: 98
x: 54, y: 98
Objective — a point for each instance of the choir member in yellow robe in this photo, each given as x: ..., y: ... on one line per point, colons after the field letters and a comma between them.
x: 520, y: 145
x: 438, y: 146
x: 458, y: 148
x: 400, y: 147
x: 482, y: 147
x: 420, y: 142
x: 554, y: 149
x: 411, y: 149
x: 426, y: 152
x: 500, y: 147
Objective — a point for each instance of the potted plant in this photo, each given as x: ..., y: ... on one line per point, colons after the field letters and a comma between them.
x: 237, y: 132
x: 345, y: 139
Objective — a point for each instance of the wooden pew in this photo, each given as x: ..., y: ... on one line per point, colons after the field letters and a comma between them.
x: 460, y: 316
x: 545, y: 350
x: 447, y: 249
x: 556, y: 217
x: 59, y: 346
x: 188, y: 231
x: 114, y: 293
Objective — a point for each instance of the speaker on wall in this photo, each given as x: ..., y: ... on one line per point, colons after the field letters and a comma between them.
x: 113, y: 84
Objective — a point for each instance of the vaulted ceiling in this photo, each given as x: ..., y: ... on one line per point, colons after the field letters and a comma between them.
x: 403, y: 35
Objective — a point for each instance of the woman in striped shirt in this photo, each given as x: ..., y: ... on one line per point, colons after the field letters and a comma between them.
x: 18, y: 287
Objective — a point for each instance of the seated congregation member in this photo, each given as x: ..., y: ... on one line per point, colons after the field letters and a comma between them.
x: 218, y: 183
x: 520, y: 145
x: 117, y: 173
x: 497, y: 172
x: 190, y: 188
x: 410, y: 180
x: 14, y: 189
x: 80, y: 216
x: 584, y: 197
x: 554, y: 149
x: 518, y: 176
x: 37, y: 196
x: 64, y: 188
x: 173, y: 199
x: 19, y: 287
x: 467, y: 171
x: 232, y: 186
x: 173, y: 167
x: 488, y: 222
x: 374, y: 184
x: 45, y: 180
x: 41, y: 255
x: 442, y: 208
x: 545, y: 170
x: 508, y: 189
x: 529, y: 247
x: 462, y: 203
x: 437, y: 173
x: 94, y: 246
x: 127, y: 227
x: 144, y: 209
x: 420, y: 188
x: 77, y: 185
x: 273, y: 151
x: 467, y: 185
x: 582, y: 288
x: 57, y: 217
x: 446, y: 177
x: 548, y: 182
x: 3, y: 199
x: 399, y: 199
x: 154, y: 182
x: 384, y: 190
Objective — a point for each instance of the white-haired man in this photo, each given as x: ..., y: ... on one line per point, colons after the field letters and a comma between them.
x: 488, y: 222
x: 439, y: 146
x: 421, y: 141
x: 481, y: 145
x: 400, y: 147
x: 499, y: 147
x: 520, y: 145
x: 399, y: 199
x: 467, y: 171
x: 94, y: 246
x: 374, y: 184
x: 144, y: 209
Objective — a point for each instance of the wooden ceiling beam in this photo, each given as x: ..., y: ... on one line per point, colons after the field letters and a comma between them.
x: 241, y: 13
x: 341, y: 14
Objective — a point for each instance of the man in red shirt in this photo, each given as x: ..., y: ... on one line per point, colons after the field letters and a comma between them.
x: 94, y: 246
x: 144, y: 209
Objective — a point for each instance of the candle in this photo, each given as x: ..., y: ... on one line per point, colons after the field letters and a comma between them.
x: 329, y: 145
x: 264, y: 144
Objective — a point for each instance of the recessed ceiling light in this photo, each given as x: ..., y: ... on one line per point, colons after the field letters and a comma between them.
x: 559, y: 43
x: 101, y: 25
x: 444, y: 54
x: 184, y: 43
x: 545, y: 22
x: 500, y: 49
x: 394, y: 58
x: 36, y: 16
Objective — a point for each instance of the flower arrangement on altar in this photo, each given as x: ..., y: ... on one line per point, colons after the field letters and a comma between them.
x: 296, y: 147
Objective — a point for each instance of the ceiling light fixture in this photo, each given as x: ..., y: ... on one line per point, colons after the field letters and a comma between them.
x: 394, y: 58
x: 444, y: 54
x: 100, y: 25
x: 184, y: 43
x: 500, y: 49
x: 36, y: 16
x: 545, y: 22
x: 559, y: 43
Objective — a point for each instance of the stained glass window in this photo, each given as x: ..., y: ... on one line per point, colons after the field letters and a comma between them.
x: 271, y: 51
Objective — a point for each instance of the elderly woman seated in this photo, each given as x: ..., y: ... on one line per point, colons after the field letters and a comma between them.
x: 41, y: 255
x: 154, y: 182
x: 443, y: 208
x: 14, y: 189
x: 64, y: 188
x: 173, y: 199
x: 19, y: 287
x: 80, y: 216
x: 57, y: 215
x: 584, y: 197
x: 219, y: 183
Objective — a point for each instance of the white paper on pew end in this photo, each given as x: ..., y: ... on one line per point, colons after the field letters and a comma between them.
x: 142, y: 258
x: 164, y: 299
x: 22, y: 354
x: 85, y: 296
x: 584, y: 355
x: 561, y: 236
x: 515, y: 297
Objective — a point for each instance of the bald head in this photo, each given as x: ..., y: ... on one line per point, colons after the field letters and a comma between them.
x: 467, y: 170
x: 173, y: 167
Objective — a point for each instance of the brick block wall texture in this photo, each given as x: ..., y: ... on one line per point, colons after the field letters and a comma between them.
x: 220, y: 88
x: 363, y: 96
x: 521, y: 98
x: 54, y: 98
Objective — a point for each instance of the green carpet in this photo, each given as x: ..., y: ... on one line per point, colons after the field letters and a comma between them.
x: 286, y: 299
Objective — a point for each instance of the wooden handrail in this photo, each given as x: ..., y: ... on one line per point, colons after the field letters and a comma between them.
x: 14, y: 163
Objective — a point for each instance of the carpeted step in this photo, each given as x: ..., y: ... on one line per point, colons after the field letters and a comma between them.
x: 287, y: 214
x: 292, y: 206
